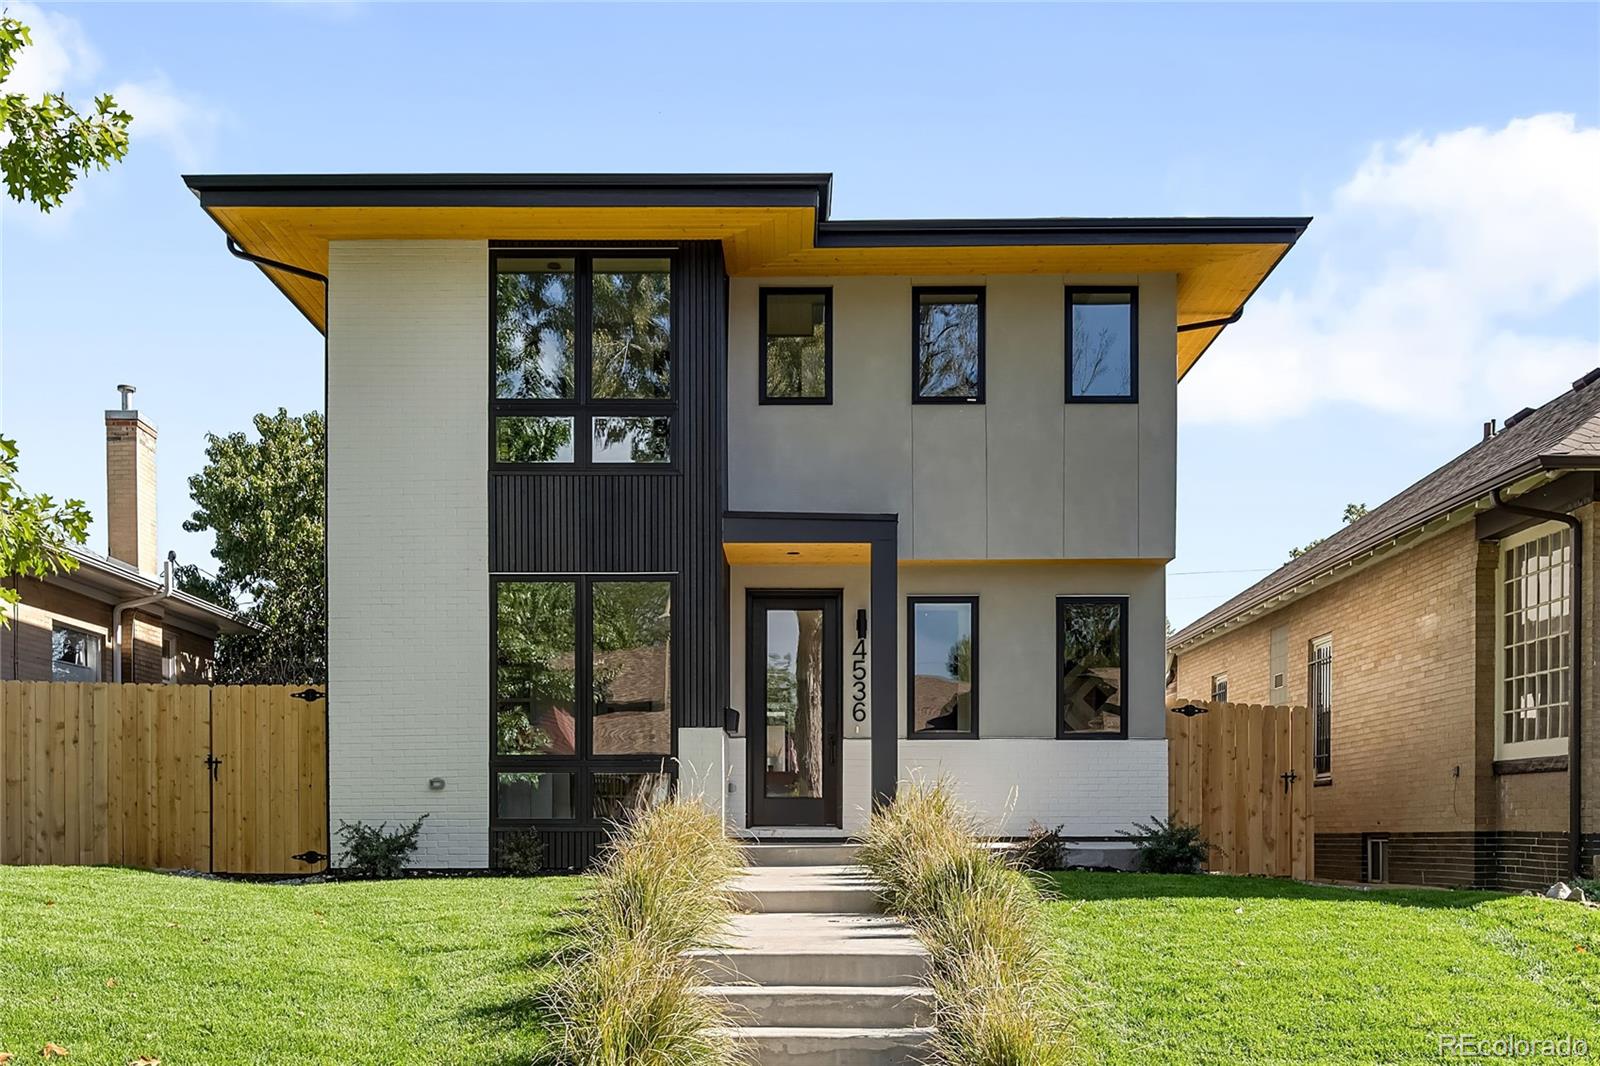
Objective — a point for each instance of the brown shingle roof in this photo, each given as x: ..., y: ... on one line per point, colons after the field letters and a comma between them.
x: 1563, y: 433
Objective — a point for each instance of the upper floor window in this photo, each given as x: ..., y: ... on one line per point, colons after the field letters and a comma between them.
x: 947, y: 345
x: 1102, y: 345
x: 1535, y: 662
x: 74, y: 654
x: 942, y: 682
x: 797, y: 346
x: 1092, y: 650
x: 582, y: 351
x: 1219, y: 688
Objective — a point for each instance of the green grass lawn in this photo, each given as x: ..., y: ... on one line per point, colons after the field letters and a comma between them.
x: 115, y: 964
x: 1199, y: 970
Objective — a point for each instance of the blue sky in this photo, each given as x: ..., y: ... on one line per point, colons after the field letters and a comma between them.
x: 1450, y: 153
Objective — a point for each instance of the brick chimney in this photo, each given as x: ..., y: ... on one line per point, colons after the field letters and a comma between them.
x: 131, y: 487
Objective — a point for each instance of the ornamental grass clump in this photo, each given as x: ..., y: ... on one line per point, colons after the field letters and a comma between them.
x: 996, y: 997
x: 626, y: 996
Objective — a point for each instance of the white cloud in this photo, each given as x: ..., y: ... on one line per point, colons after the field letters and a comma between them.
x: 1439, y: 259
x: 185, y: 125
x: 59, y: 56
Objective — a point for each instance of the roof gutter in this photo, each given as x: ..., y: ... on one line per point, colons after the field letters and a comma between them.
x: 1213, y: 323
x: 1575, y: 727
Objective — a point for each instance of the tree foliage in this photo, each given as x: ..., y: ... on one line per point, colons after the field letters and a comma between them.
x: 48, y: 144
x: 265, y: 501
x: 1352, y: 511
x: 35, y: 530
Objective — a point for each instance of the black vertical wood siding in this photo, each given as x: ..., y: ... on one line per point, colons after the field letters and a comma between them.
x: 646, y: 521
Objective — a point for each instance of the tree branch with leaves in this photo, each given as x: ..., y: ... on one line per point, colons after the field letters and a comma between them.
x: 36, y: 532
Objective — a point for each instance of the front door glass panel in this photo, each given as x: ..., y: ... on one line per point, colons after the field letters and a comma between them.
x: 794, y: 746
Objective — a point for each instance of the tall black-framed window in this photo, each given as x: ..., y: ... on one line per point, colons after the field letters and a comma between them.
x: 1091, y: 667
x: 796, y: 346
x: 581, y: 359
x: 942, y: 667
x: 581, y: 715
x: 1319, y: 697
x: 947, y: 344
x: 1102, y: 344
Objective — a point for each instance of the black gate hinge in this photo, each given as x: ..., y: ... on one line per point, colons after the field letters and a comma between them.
x: 308, y: 695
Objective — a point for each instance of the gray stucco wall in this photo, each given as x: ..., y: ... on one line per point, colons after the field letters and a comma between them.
x: 1024, y: 475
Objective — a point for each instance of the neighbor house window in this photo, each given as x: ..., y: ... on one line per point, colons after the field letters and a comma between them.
x: 1535, y: 663
x: 582, y: 711
x: 582, y: 359
x: 1092, y: 650
x: 1319, y: 698
x: 1219, y: 688
x: 169, y: 658
x: 947, y: 345
x: 74, y: 654
x: 1102, y: 345
x: 942, y: 666
x: 797, y: 346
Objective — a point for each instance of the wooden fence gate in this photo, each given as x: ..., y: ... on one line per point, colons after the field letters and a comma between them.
x: 1242, y: 773
x: 224, y: 779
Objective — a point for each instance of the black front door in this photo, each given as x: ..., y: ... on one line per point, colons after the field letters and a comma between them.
x: 792, y: 737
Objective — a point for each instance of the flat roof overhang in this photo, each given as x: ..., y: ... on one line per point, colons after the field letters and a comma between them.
x: 770, y: 226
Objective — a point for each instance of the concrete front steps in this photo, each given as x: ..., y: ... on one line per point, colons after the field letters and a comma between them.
x: 812, y: 973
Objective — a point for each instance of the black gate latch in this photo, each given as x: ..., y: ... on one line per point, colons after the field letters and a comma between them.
x: 311, y: 856
x: 212, y: 763
x: 1189, y: 710
x: 308, y: 695
x: 1289, y: 778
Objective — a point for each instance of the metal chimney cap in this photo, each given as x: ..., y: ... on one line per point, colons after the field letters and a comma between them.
x: 126, y: 390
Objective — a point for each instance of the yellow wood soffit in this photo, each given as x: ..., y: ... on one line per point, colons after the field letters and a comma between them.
x: 797, y: 554
x: 1213, y: 279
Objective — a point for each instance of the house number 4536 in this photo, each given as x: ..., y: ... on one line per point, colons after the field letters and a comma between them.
x: 858, y: 680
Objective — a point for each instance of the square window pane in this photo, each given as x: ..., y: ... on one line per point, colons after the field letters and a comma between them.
x: 535, y: 328
x: 533, y: 439
x: 534, y: 795
x: 618, y: 796
x: 632, y: 667
x: 942, y: 689
x: 796, y: 345
x: 1102, y: 344
x: 632, y: 333
x: 1091, y: 666
x: 535, y: 655
x: 74, y: 655
x: 632, y: 439
x: 949, y: 345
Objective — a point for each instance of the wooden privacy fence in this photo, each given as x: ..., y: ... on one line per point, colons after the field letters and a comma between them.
x: 225, y: 779
x: 1242, y: 773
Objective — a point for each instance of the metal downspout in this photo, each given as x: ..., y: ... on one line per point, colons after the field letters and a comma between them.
x: 116, y: 615
x: 1575, y: 732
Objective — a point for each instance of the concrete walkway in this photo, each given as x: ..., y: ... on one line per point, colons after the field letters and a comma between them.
x: 812, y: 972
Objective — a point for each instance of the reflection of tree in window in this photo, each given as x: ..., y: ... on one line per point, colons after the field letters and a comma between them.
x: 632, y: 667
x: 632, y: 438
x: 1100, y: 362
x: 534, y: 439
x: 947, y: 347
x: 535, y: 332
x: 1091, y: 667
x: 794, y: 707
x: 797, y: 345
x: 534, y: 676
x: 632, y: 334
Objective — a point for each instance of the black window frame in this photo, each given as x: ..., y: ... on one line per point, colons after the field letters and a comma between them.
x: 1122, y: 602
x: 1132, y: 292
x: 582, y: 408
x: 1321, y: 715
x: 583, y: 764
x: 981, y: 292
x: 912, y: 733
x: 763, y: 397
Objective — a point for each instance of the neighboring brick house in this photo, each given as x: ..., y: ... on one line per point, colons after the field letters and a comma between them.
x: 65, y: 623
x: 1432, y: 639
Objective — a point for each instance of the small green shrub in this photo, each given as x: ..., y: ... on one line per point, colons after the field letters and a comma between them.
x: 1041, y: 849
x: 521, y: 853
x: 374, y: 851
x: 1169, y: 847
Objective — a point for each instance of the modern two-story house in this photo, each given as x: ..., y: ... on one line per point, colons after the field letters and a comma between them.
x: 635, y: 478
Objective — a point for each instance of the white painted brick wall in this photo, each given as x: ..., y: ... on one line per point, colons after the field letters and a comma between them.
x: 408, y: 625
